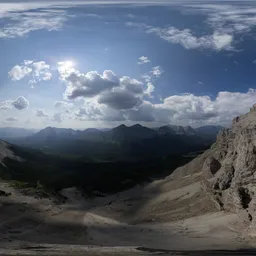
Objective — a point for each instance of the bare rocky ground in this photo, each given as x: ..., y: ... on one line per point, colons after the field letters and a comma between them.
x: 149, y: 220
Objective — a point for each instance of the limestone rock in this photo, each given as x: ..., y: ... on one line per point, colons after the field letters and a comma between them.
x: 224, y: 177
x: 210, y: 167
x: 232, y: 165
x: 229, y: 169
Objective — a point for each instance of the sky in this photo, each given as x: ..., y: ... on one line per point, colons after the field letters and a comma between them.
x: 99, y: 64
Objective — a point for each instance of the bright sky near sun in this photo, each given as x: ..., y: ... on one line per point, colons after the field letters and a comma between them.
x: 82, y: 64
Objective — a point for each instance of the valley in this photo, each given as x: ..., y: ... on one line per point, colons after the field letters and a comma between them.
x: 143, y: 207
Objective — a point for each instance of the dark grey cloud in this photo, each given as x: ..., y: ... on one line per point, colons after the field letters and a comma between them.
x: 132, y: 85
x: 119, y: 99
x: 11, y: 119
x: 144, y: 112
x: 21, y: 103
x: 58, y: 117
x: 41, y: 113
x: 89, y: 84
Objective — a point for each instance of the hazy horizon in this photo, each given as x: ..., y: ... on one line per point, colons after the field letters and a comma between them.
x: 99, y: 128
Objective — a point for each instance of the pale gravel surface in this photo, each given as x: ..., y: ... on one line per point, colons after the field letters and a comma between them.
x: 161, y: 216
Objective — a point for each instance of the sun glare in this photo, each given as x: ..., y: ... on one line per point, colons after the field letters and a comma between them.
x: 66, y: 64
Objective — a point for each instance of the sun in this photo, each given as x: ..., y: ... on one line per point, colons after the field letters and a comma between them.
x: 66, y: 64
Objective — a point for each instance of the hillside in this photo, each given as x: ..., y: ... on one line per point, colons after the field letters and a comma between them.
x: 57, y: 172
x: 6, y: 152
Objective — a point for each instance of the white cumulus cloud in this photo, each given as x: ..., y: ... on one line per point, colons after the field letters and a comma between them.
x: 185, y: 109
x: 6, y: 104
x: 41, y: 70
x: 143, y: 60
x: 106, y: 89
x: 157, y: 71
x: 124, y: 92
x: 35, y: 70
x: 19, y: 72
x: 150, y: 89
x: 63, y: 104
x: 27, y: 62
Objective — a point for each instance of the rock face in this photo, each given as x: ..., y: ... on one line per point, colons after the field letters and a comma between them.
x: 210, y: 167
x: 229, y: 171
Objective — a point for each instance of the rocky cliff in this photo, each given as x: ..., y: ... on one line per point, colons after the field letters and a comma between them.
x: 229, y: 170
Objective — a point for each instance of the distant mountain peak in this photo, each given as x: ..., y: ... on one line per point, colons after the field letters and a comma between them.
x: 55, y: 132
x: 177, y: 129
x: 91, y: 130
x: 122, y: 125
x: 48, y: 128
x: 137, y: 125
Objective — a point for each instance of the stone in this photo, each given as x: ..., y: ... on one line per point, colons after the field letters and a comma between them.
x: 229, y: 171
x: 224, y: 177
x: 210, y: 167
x: 3, y: 193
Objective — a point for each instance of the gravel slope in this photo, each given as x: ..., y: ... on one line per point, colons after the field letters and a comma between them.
x: 141, y: 221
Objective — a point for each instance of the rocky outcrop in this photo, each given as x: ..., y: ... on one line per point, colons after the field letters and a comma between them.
x: 229, y: 171
x: 210, y: 167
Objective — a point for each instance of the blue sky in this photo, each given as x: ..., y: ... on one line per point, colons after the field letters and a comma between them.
x: 102, y: 63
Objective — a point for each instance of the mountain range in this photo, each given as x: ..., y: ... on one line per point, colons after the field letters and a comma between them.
x: 122, y: 142
x: 13, y: 132
x: 136, y: 131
